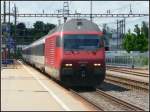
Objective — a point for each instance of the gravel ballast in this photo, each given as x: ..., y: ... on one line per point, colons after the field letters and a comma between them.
x: 138, y: 98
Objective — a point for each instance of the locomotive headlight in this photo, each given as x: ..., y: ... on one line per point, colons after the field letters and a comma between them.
x: 97, y: 64
x: 67, y: 65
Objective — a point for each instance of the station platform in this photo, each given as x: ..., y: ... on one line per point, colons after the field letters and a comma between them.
x: 25, y: 89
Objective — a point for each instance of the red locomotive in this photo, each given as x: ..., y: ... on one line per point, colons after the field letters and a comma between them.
x: 73, y: 53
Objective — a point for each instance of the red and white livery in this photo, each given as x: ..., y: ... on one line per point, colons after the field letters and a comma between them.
x: 73, y: 53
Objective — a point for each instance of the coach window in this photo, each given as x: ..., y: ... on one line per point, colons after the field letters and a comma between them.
x: 32, y: 50
x: 28, y: 51
x: 39, y: 50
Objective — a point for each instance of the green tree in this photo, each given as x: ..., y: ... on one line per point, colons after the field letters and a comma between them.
x: 12, y: 29
x: 49, y: 27
x: 141, y: 43
x: 140, y: 40
x: 20, y: 32
x: 28, y: 35
x: 39, y: 25
x: 136, y: 41
x: 137, y: 30
x: 21, y: 26
x: 41, y: 29
x: 128, y: 42
x: 144, y: 29
x: 38, y: 30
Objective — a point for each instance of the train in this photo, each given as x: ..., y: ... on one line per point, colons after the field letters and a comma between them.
x: 72, y: 53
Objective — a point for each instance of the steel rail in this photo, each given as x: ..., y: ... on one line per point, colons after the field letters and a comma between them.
x: 91, y: 102
x: 119, y: 101
x: 129, y: 72
x: 127, y: 83
x: 124, y: 67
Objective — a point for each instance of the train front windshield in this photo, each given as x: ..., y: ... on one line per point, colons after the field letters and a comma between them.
x: 82, y: 42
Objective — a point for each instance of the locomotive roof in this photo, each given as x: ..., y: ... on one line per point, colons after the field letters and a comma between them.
x: 73, y: 25
x: 80, y: 25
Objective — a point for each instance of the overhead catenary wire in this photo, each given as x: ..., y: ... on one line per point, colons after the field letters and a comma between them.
x: 126, y: 6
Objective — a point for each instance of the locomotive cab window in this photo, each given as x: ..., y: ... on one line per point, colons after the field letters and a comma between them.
x: 82, y: 42
x: 58, y: 42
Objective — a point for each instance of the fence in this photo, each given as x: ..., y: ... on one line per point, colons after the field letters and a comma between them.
x: 123, y: 58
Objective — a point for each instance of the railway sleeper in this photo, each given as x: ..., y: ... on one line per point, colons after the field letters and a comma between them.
x: 133, y: 82
x: 127, y: 83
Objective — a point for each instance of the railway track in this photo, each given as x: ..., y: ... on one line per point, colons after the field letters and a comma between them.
x: 89, y: 101
x: 126, y: 67
x: 127, y: 83
x: 119, y: 101
x: 130, y: 72
x: 106, y: 102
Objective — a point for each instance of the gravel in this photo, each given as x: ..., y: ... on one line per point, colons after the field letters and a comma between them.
x: 103, y: 102
x: 138, y: 98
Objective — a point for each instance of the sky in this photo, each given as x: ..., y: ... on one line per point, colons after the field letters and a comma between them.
x: 81, y: 7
